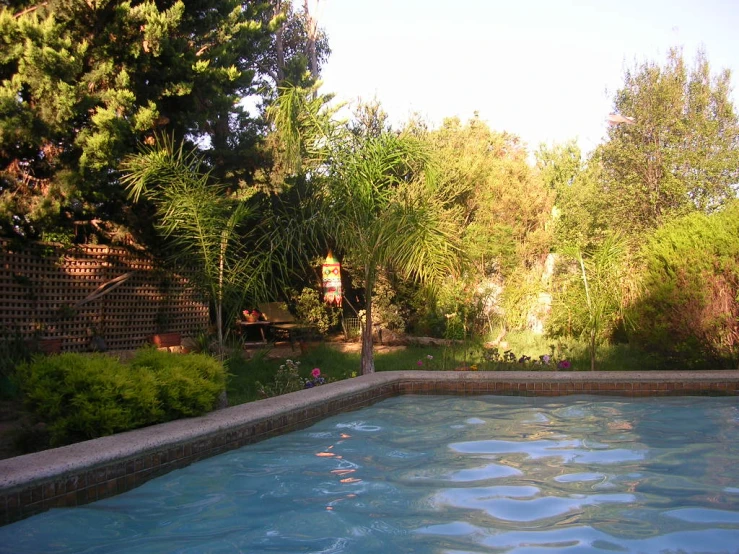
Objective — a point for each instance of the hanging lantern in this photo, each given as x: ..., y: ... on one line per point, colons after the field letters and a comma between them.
x: 332, y: 281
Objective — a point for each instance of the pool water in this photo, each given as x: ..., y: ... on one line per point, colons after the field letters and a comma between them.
x: 440, y: 474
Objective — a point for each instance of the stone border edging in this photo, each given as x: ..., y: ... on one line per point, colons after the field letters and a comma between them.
x: 96, y: 469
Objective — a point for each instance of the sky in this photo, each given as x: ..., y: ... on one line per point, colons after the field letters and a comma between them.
x: 545, y: 70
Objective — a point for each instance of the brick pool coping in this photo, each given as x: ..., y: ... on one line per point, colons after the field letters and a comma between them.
x: 92, y: 470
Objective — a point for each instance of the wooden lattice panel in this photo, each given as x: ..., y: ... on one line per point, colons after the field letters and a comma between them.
x: 46, y: 292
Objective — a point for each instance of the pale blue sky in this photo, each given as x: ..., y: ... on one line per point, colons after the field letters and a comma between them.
x: 544, y: 70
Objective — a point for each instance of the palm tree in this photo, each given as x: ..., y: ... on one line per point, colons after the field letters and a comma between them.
x: 379, y: 199
x: 598, y: 304
x: 203, y: 224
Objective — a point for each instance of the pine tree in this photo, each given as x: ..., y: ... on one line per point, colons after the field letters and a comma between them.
x: 83, y: 83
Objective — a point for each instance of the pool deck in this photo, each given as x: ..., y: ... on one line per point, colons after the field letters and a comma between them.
x: 92, y: 470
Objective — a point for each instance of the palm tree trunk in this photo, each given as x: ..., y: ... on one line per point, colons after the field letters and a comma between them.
x: 368, y: 358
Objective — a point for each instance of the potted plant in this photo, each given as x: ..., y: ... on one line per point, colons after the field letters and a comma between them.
x: 252, y: 316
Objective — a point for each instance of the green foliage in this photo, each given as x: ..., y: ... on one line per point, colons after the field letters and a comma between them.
x: 689, y: 307
x: 590, y: 302
x: 81, y: 397
x: 14, y: 350
x: 286, y: 379
x: 189, y: 385
x: 380, y: 199
x: 504, y: 209
x: 209, y: 231
x: 502, y: 203
x: 680, y: 154
x: 559, y: 164
x: 311, y: 309
x: 578, y: 215
x: 82, y: 82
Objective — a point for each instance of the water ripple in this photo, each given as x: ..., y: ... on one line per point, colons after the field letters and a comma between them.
x: 442, y: 475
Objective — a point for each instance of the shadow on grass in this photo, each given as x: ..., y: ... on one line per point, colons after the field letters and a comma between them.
x: 336, y: 365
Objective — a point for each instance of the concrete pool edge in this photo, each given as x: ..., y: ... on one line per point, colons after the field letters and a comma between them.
x: 92, y: 470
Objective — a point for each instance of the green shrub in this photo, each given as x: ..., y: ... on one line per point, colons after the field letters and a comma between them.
x: 84, y: 396
x: 688, y: 311
x: 189, y: 385
x: 311, y: 309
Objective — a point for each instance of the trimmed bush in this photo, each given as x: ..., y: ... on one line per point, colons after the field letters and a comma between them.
x: 189, y: 385
x: 83, y: 396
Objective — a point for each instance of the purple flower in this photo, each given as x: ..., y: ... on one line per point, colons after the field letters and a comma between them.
x: 419, y: 363
x: 564, y: 364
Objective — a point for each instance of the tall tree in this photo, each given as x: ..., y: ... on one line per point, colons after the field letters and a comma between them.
x: 297, y: 44
x: 505, y: 210
x: 379, y: 199
x: 679, y: 149
x: 81, y: 83
x: 579, y: 213
x: 503, y: 203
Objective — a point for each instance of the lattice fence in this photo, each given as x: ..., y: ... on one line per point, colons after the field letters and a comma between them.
x: 94, y: 291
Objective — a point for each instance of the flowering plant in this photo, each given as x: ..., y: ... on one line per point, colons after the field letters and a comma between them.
x: 286, y: 380
x: 315, y: 379
x: 429, y: 362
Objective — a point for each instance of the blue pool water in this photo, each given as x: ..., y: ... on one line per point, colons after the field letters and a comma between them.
x: 440, y: 474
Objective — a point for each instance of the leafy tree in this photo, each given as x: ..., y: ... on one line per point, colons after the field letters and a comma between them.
x: 679, y: 152
x: 500, y: 198
x: 82, y: 83
x: 288, y: 59
x: 560, y: 164
x: 580, y: 206
x: 503, y: 207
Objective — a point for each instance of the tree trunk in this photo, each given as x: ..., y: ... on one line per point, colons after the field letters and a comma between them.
x: 368, y: 357
x: 312, y: 31
x: 279, y: 45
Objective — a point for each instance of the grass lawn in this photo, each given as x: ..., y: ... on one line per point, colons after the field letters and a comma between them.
x: 337, y: 364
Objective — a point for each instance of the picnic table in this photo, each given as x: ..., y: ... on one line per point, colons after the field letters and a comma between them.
x: 278, y: 319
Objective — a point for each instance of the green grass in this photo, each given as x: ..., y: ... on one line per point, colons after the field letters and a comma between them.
x: 244, y: 374
x: 336, y: 365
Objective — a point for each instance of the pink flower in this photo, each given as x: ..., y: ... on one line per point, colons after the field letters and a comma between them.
x: 564, y: 364
x: 316, y: 373
x: 419, y: 363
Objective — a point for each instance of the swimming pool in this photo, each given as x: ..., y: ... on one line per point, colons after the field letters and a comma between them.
x: 440, y: 474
